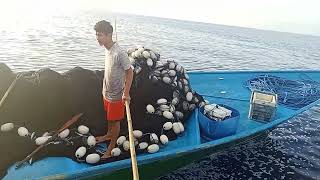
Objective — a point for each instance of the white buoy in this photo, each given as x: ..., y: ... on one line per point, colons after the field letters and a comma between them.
x: 185, y: 82
x: 192, y: 107
x: 164, y: 139
x: 182, y: 70
x: 195, y: 99
x: 45, y: 134
x: 149, y: 62
x: 115, y: 152
x: 154, y: 79
x: 7, y: 127
x: 130, y: 50
x: 172, y: 108
x: 140, y: 49
x: 33, y: 135
x: 143, y: 145
x: 150, y: 109
x: 65, y: 133
x: 83, y: 129
x: 175, y: 101
x: 93, y: 158
x: 179, y: 114
x: 201, y: 104
x: 152, y: 55
x: 81, y: 151
x: 132, y: 60
x: 164, y: 107
x: 121, y: 140
x: 91, y: 141
x: 175, y: 94
x: 164, y: 72
x: 154, y: 138
x: 185, y: 105
x: 186, y: 75
x: 175, y: 84
x: 178, y: 68
x: 22, y: 131
x: 176, y: 128
x: 137, y: 54
x: 166, y: 80
x: 167, y: 114
x: 172, y: 73
x: 146, y: 54
x: 137, y: 69
x: 137, y: 133
x: 133, y: 54
x: 126, y: 145
x: 189, y: 96
x: 153, y: 148
x: 186, y: 89
x: 175, y: 78
x: 157, y: 73
x: 162, y: 101
x: 180, y: 85
x: 135, y: 141
x: 181, y: 127
x: 172, y: 65
x: 158, y: 63
x: 167, y: 126
x: 41, y: 140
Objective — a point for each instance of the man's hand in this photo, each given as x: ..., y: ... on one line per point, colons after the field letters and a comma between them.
x: 126, y: 97
x: 129, y: 76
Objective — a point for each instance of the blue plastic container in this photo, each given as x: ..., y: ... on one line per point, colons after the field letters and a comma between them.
x: 212, y: 130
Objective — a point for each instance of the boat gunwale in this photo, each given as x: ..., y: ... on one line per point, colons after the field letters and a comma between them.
x: 252, y: 71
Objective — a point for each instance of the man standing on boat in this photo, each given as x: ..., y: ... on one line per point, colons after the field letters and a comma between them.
x: 116, y: 83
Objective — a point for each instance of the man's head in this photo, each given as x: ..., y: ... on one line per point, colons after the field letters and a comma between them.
x: 104, y: 32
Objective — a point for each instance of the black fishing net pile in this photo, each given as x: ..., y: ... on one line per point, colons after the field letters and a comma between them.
x: 42, y: 101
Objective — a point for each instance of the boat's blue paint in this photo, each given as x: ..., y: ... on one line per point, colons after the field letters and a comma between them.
x: 204, y: 83
x: 254, y: 71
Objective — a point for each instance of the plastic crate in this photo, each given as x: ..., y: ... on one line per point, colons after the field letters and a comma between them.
x: 263, y: 106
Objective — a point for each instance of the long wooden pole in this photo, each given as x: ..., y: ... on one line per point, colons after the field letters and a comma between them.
x: 132, y: 148
x: 8, y: 91
x: 115, y: 29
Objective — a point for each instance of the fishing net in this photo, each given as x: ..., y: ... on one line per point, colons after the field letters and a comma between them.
x: 291, y: 93
x: 42, y: 100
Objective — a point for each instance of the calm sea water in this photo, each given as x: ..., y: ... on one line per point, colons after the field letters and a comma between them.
x: 291, y: 151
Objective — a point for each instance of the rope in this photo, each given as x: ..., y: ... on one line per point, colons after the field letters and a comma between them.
x: 291, y: 93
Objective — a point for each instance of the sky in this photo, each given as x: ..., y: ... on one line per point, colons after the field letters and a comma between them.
x: 297, y: 16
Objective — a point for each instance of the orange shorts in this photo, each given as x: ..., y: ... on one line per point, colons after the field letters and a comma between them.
x: 114, y: 110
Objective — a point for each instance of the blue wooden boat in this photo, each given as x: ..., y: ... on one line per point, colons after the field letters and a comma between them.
x: 217, y: 87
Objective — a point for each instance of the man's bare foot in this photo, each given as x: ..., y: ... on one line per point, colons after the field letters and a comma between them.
x: 106, y: 155
x: 104, y: 138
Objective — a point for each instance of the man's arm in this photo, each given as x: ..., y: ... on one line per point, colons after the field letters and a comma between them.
x: 128, y: 82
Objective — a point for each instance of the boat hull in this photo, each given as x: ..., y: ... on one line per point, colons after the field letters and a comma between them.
x: 162, y: 167
x: 221, y: 88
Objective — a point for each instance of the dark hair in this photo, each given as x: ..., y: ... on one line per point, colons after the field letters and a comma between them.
x: 104, y: 27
